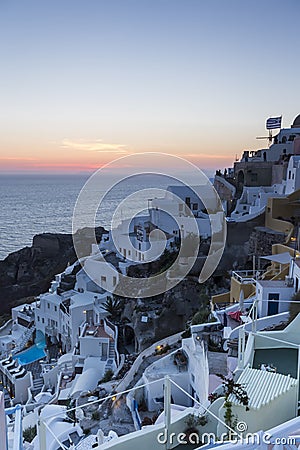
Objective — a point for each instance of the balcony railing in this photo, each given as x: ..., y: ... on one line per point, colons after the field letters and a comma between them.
x: 247, y: 276
x: 51, y: 331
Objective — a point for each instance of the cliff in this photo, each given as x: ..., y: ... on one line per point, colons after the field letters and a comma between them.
x: 29, y: 271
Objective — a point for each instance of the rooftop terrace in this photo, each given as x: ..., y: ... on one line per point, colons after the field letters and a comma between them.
x: 97, y: 331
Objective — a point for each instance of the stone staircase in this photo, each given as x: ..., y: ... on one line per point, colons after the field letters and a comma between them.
x: 111, y: 350
x: 111, y: 356
x: 37, y: 385
x: 25, y: 338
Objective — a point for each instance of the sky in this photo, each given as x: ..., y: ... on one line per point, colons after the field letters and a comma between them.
x: 85, y: 82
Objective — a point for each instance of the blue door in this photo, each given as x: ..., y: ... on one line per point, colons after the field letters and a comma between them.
x: 273, y: 300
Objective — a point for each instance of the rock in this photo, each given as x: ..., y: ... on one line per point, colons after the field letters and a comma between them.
x: 29, y: 271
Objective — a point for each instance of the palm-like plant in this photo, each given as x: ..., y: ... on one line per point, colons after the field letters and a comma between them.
x: 113, y: 306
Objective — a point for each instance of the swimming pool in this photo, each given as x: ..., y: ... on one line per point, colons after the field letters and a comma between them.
x: 32, y: 354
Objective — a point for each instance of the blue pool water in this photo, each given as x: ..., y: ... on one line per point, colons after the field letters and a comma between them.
x: 33, y: 353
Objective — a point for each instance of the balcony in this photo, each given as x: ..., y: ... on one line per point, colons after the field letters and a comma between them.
x: 247, y: 276
x: 51, y: 331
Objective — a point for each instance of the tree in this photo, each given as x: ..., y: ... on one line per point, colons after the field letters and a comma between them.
x: 294, y: 308
x: 238, y: 390
x: 113, y: 306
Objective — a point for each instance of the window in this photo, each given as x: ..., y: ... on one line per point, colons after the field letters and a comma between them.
x: 195, y: 206
x: 55, y: 308
x: 290, y: 173
x: 43, y: 320
x: 114, y: 281
x: 38, y: 318
x: 48, y: 305
x: 103, y: 279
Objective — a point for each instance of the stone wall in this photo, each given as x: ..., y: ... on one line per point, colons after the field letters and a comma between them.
x: 262, y: 239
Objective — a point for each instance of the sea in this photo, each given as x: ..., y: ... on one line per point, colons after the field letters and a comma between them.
x: 34, y: 204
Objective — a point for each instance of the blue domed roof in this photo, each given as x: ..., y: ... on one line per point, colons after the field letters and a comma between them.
x: 296, y: 123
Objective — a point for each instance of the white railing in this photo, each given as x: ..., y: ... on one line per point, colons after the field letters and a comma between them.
x: 113, y: 331
x: 247, y: 276
x: 109, y: 330
x: 24, y: 339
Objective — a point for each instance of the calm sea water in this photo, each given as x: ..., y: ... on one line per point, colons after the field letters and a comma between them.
x: 33, y: 204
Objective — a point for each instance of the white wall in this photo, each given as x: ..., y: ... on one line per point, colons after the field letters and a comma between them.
x: 293, y: 175
x: 48, y: 312
x: 263, y: 292
x: 92, y: 346
x: 264, y: 417
x: 103, y: 273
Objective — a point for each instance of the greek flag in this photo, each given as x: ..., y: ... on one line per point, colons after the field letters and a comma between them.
x: 273, y: 122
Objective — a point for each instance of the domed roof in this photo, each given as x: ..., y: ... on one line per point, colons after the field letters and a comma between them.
x: 296, y: 123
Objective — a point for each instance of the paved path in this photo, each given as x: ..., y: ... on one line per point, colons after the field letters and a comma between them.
x: 147, y: 362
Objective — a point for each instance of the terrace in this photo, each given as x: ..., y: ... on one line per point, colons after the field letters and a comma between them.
x: 97, y: 331
x: 247, y: 276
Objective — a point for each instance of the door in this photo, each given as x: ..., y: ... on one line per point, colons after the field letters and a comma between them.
x: 273, y: 301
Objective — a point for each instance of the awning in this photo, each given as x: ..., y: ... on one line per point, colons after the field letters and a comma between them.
x: 256, y: 380
x: 281, y: 258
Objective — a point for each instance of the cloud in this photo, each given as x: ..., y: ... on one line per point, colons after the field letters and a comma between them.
x: 208, y: 156
x: 16, y: 158
x: 95, y: 146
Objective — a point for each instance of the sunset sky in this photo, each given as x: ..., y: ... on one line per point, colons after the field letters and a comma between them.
x: 85, y: 82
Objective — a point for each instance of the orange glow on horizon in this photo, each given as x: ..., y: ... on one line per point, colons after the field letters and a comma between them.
x: 45, y: 164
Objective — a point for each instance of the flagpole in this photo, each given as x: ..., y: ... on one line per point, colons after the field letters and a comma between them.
x: 270, y: 137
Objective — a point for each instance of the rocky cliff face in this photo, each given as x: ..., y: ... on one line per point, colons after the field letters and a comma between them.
x: 29, y: 271
x: 166, y: 314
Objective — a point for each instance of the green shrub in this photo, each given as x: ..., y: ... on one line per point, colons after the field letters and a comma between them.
x: 186, y: 334
x: 294, y: 308
x: 96, y: 415
x: 107, y: 376
x: 29, y: 434
x: 201, y: 317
